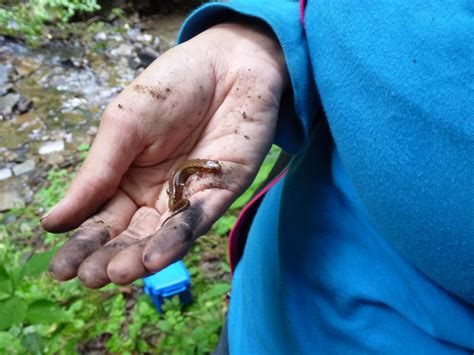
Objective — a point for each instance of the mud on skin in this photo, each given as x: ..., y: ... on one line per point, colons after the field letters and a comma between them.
x: 93, y: 271
x: 172, y: 241
x: 155, y: 93
x: 86, y: 240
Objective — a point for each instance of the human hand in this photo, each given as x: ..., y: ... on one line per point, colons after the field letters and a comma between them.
x: 214, y: 97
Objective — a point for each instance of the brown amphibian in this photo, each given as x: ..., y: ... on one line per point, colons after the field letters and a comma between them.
x: 178, y: 178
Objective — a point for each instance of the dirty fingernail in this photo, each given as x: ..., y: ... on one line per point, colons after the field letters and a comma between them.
x: 49, y: 212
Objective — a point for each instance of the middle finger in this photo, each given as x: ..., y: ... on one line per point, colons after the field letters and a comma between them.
x: 93, y: 271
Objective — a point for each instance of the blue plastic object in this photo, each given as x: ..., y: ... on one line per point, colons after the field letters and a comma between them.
x: 171, y: 281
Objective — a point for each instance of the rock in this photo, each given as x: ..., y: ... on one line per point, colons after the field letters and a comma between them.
x: 26, y: 119
x: 56, y: 159
x: 145, y: 38
x: 68, y: 137
x: 24, y: 168
x: 8, y: 102
x: 5, y: 70
x: 5, y: 173
x: 116, y: 37
x: 79, y: 63
x: 73, y: 103
x: 28, y: 196
x: 9, y: 199
x: 5, y: 88
x: 122, y: 50
x: 135, y: 63
x: 51, y: 147
x: 138, y: 46
x: 156, y: 43
x: 24, y: 105
x: 147, y: 56
x: 25, y: 67
x: 101, y: 36
x: 92, y: 131
x: 133, y: 34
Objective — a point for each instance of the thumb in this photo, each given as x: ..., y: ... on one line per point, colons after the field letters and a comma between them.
x: 115, y: 147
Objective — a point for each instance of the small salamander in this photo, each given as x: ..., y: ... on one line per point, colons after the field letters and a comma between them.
x: 178, y: 178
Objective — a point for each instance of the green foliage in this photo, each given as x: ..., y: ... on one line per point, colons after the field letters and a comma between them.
x: 267, y: 166
x: 225, y: 223
x: 27, y: 19
x: 51, y: 194
x: 38, y: 315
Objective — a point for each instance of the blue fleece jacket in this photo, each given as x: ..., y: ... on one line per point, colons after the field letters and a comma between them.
x: 367, y: 245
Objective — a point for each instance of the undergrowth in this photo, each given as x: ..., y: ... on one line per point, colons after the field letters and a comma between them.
x: 27, y: 19
x: 39, y: 315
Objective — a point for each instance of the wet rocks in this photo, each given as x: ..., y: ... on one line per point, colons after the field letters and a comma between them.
x: 75, y: 62
x: 14, y: 192
x: 145, y: 38
x: 51, y: 147
x: 5, y: 88
x: 122, y: 50
x: 9, y: 199
x: 25, y: 67
x: 8, y: 103
x: 147, y: 56
x: 5, y: 70
x: 5, y: 173
x: 101, y: 36
x: 24, y: 105
x: 26, y: 167
x: 51, y: 98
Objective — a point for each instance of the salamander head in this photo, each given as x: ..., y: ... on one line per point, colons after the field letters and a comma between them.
x: 212, y: 165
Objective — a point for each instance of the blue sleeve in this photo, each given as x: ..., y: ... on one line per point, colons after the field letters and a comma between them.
x: 299, y: 105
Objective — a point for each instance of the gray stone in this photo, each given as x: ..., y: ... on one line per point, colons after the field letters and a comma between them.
x: 144, y: 38
x: 4, y: 88
x: 92, y: 130
x: 24, y: 105
x: 5, y: 70
x: 7, y: 102
x: 101, y: 36
x: 28, y: 196
x: 147, y: 56
x: 5, y: 173
x: 9, y: 199
x: 122, y: 50
x: 51, y: 147
x: 133, y: 34
x: 25, y: 167
x: 156, y: 43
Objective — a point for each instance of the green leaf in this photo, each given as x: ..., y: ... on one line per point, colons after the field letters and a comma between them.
x: 33, y: 343
x: 12, y: 311
x: 265, y: 169
x: 45, y: 312
x: 224, y: 224
x: 144, y: 308
x: 165, y: 326
x: 5, y: 281
x: 38, y: 263
x: 215, y: 291
x: 83, y: 147
x: 225, y: 267
x: 9, y: 342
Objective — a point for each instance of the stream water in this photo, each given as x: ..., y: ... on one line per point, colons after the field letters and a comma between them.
x: 51, y: 98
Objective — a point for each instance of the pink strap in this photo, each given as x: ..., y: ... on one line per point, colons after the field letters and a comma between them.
x: 302, y: 8
x: 236, y: 238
